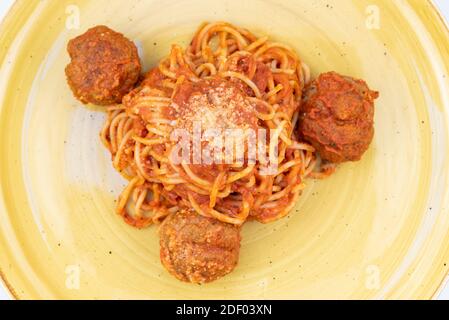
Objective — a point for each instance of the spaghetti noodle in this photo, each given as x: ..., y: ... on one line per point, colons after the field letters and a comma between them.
x: 229, y: 79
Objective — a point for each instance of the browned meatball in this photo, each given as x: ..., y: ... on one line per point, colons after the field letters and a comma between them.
x: 197, y: 249
x: 337, y: 117
x: 105, y: 66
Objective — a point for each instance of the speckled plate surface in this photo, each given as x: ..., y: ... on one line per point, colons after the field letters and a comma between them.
x: 377, y: 229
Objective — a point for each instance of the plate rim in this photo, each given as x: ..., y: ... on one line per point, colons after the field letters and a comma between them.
x: 445, y: 29
x: 6, y: 22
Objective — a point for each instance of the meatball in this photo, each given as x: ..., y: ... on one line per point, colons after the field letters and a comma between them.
x: 197, y: 249
x: 104, y: 66
x: 337, y: 117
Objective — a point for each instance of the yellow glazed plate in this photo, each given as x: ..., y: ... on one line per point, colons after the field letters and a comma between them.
x: 377, y: 229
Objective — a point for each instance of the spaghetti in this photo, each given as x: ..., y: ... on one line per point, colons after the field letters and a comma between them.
x: 228, y: 79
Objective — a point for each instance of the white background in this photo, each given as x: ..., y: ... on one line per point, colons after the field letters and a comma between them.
x: 443, y: 4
